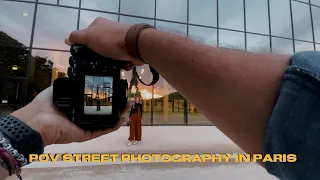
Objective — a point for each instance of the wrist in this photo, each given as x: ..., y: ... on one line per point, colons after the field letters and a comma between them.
x: 8, y: 159
x: 144, y: 44
x: 20, y: 134
x: 4, y: 169
x: 4, y: 172
x: 29, y: 114
x: 132, y: 40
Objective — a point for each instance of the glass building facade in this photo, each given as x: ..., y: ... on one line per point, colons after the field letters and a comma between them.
x: 33, y: 53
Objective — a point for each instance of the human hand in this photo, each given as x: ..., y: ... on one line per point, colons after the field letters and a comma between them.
x: 104, y: 37
x: 42, y: 116
x: 128, y: 121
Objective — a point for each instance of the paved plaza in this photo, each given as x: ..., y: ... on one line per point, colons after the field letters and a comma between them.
x: 159, y: 118
x: 92, y: 110
x: 151, y: 171
x: 156, y: 139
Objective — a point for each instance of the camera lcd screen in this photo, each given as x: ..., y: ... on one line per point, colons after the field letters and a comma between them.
x: 98, y: 95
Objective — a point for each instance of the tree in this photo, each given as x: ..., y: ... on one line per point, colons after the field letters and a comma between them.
x: 42, y: 73
x: 12, y: 53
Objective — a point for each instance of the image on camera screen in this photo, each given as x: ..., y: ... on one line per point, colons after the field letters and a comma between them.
x: 98, y: 95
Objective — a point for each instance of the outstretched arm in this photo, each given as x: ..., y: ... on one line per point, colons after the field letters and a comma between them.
x: 235, y: 90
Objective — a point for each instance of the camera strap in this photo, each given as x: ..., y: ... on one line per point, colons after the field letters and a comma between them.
x: 155, y: 79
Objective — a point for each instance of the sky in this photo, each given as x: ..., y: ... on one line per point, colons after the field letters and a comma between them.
x: 53, y: 24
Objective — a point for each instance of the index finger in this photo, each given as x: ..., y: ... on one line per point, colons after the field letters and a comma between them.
x: 77, y: 37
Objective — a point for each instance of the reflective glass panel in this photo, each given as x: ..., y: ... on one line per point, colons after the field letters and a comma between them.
x: 280, y: 18
x: 303, y: 46
x: 231, y: 39
x: 231, y: 14
x: 202, y: 34
x: 15, y: 23
x: 73, y: 3
x: 257, y: 16
x: 172, y: 10
x: 258, y: 43
x: 53, y: 25
x: 87, y: 17
x: 203, y: 12
x: 316, y: 22
x: 301, y: 21
x: 176, y: 28
x: 282, y: 46
x: 143, y: 8
x: 104, y: 5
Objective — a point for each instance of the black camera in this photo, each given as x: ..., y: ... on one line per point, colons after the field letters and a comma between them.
x: 93, y: 95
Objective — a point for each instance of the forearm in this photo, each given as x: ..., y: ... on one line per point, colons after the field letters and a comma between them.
x: 4, y: 173
x: 235, y: 90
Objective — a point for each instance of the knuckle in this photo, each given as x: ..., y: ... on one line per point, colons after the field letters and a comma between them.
x: 98, y: 19
x: 73, y: 35
x: 86, y: 38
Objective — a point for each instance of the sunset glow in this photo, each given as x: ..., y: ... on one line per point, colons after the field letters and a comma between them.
x: 148, y: 95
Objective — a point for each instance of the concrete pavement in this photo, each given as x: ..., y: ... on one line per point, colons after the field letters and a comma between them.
x: 92, y: 110
x: 151, y: 171
x: 156, y: 139
x: 162, y: 139
x: 174, y: 118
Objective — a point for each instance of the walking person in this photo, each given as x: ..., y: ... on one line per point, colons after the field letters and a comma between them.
x: 135, y: 118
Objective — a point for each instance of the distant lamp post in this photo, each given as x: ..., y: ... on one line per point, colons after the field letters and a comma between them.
x: 97, y: 95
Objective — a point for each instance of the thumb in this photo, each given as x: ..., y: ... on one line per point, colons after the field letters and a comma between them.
x: 77, y: 37
x: 128, y: 106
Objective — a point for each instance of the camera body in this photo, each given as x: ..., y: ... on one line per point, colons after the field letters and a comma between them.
x: 93, y: 96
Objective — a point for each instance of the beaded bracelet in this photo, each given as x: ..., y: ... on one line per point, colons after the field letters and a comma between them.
x: 20, y: 158
x: 11, y: 162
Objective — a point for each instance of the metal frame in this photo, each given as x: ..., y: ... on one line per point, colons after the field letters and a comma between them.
x: 312, y: 25
x: 292, y: 26
x: 245, y: 24
x: 152, y: 101
x: 218, y: 40
x: 119, y: 10
x: 30, y: 52
x: 269, y: 21
x: 78, y: 20
x: 155, y: 19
